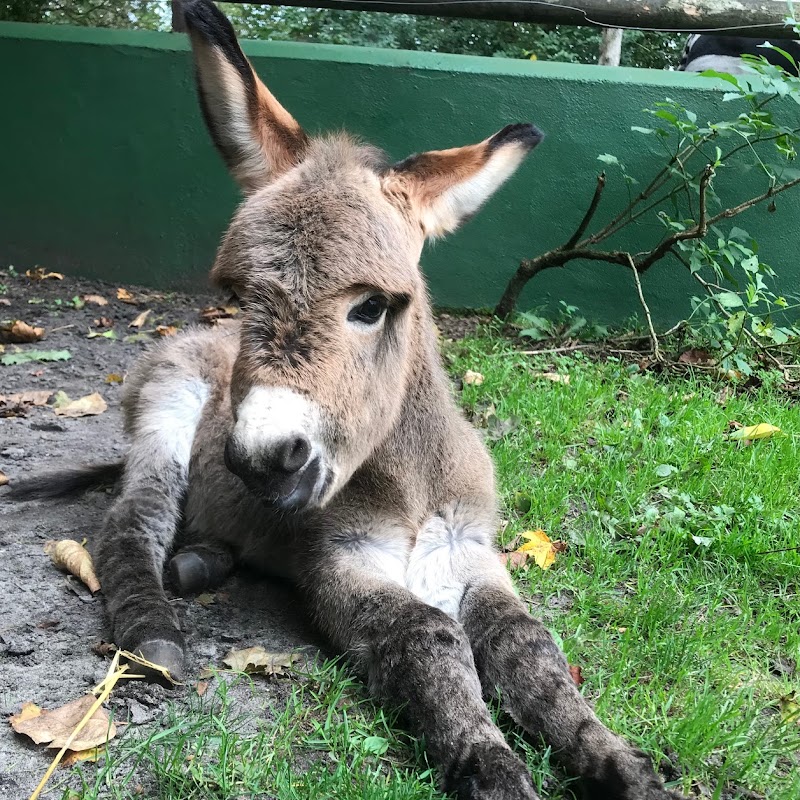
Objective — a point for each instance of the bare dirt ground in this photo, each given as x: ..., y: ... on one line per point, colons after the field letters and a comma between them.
x: 49, y: 624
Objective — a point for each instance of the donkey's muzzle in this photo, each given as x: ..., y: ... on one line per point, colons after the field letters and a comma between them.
x: 285, y: 476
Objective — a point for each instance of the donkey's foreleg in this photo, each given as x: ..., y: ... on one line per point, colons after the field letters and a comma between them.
x: 516, y: 653
x: 140, y: 527
x: 417, y: 657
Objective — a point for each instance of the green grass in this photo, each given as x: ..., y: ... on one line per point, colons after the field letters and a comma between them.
x: 677, y: 596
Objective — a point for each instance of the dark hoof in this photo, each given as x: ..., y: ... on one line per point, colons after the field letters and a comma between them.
x: 164, y: 653
x: 189, y: 573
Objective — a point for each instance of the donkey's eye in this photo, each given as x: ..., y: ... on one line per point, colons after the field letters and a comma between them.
x: 370, y: 312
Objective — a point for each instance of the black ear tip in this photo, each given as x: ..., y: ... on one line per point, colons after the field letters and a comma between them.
x: 524, y: 133
x: 202, y: 15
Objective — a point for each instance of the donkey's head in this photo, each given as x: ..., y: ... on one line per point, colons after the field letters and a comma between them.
x: 323, y: 256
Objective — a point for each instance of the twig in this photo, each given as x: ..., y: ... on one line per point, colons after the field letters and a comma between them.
x: 590, y: 212
x: 779, y: 550
x: 653, y: 338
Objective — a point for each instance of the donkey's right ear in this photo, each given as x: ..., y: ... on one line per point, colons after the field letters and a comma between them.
x: 257, y: 137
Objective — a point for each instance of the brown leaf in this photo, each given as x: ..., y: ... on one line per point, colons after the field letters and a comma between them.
x: 577, y: 675
x: 87, y: 406
x: 258, y: 660
x: 126, y: 297
x: 514, y: 559
x: 3, y: 478
x: 212, y: 314
x: 166, y: 330
x: 697, y: 357
x: 74, y: 558
x: 53, y: 728
x: 114, y: 377
x: 103, y: 322
x: 471, y: 378
x: 18, y: 405
x: 103, y: 648
x: 95, y: 300
x: 140, y: 319
x: 39, y: 274
x: 551, y: 376
x: 19, y: 332
x: 201, y: 687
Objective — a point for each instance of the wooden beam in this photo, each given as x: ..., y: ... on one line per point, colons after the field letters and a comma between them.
x: 755, y: 18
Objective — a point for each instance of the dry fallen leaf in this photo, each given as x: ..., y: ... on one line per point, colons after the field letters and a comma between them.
x: 214, y: 313
x: 17, y: 405
x: 206, y: 599
x: 104, y: 649
x: 72, y: 757
x: 4, y: 301
x: 540, y: 548
x: 53, y: 728
x: 790, y: 708
x: 514, y: 559
x: 95, y: 300
x: 3, y: 478
x: 87, y: 406
x: 258, y: 660
x: 750, y: 432
x: 73, y: 557
x: 19, y: 332
x: 166, y: 330
x: 103, y: 322
x: 697, y: 357
x: 577, y: 675
x: 114, y: 377
x: 471, y: 378
x: 126, y: 297
x: 201, y: 687
x: 551, y: 376
x: 39, y: 274
x: 140, y: 319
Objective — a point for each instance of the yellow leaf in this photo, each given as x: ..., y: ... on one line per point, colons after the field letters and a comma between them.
x: 257, y: 659
x: 540, y: 548
x: 472, y: 378
x: 166, y: 330
x: 3, y: 478
x: 140, y: 319
x: 87, y: 406
x: 790, y: 709
x: 114, y: 377
x: 72, y: 757
x: 761, y: 431
x: 73, y: 557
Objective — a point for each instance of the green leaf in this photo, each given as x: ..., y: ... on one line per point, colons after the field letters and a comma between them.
x: 104, y: 335
x: 639, y: 129
x: 25, y: 356
x: 703, y: 541
x: 376, y: 745
x: 728, y: 299
x: 665, y: 470
x: 607, y: 158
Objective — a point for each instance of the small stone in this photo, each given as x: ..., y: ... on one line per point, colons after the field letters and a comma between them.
x: 14, y: 453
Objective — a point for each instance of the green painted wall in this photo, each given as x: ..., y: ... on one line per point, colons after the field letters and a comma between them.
x: 107, y: 171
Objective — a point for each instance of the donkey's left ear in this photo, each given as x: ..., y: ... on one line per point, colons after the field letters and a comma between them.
x: 446, y: 187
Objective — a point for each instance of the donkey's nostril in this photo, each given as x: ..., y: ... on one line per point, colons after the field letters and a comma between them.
x: 293, y: 454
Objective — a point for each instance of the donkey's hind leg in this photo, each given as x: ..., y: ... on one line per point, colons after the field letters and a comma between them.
x: 202, y: 566
x: 140, y: 528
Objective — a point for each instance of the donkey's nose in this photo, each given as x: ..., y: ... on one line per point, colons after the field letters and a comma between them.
x: 292, y: 454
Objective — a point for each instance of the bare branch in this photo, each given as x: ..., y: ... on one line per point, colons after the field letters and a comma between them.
x: 590, y: 212
x: 646, y: 308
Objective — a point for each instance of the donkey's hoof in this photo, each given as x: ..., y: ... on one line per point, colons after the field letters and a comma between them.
x: 164, y: 653
x: 189, y: 573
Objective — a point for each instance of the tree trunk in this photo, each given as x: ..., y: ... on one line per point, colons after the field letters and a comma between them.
x: 610, y: 47
x: 738, y: 17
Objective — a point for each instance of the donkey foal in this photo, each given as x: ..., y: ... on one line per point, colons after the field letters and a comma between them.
x: 318, y: 440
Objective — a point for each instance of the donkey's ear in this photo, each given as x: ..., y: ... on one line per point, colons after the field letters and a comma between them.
x: 257, y: 137
x: 446, y: 187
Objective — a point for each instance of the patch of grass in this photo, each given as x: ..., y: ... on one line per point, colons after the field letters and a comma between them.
x: 677, y: 596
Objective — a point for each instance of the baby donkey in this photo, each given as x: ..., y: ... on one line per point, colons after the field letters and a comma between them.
x: 318, y: 440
